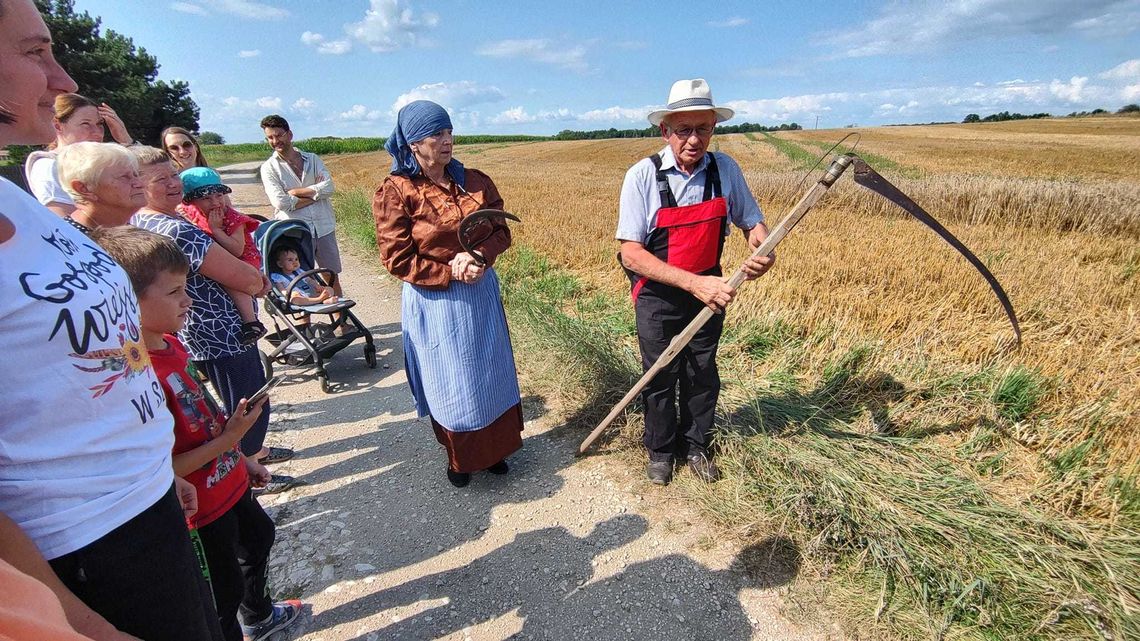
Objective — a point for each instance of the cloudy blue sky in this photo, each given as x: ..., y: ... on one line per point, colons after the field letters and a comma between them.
x: 343, y: 67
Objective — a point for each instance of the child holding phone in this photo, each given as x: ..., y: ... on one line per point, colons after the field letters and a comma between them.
x: 235, y: 532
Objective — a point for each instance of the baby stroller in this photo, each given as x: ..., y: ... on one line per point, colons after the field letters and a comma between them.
x: 297, y: 339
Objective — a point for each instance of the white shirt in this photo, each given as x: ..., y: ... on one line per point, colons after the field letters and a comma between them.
x: 85, y: 435
x: 278, y: 178
x: 640, y: 199
x: 43, y: 179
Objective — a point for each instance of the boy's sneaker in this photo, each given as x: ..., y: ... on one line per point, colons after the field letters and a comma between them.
x: 284, y: 613
x: 250, y: 332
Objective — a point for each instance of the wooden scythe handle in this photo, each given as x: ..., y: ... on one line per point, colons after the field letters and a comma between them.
x: 681, y: 340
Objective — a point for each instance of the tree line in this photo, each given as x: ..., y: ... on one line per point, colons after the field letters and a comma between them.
x: 1005, y: 115
x: 653, y: 132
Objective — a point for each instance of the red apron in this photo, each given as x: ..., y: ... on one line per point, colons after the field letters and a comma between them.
x: 689, y: 237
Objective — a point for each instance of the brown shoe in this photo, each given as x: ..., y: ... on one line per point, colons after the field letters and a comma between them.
x: 703, y: 468
x: 660, y: 472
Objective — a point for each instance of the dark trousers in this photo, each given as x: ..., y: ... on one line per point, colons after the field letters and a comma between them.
x: 234, y: 378
x: 691, y: 381
x: 144, y: 579
x: 237, y: 548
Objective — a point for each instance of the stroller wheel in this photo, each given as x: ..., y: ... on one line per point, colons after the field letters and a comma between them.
x: 326, y: 386
x: 370, y: 356
x: 266, y: 364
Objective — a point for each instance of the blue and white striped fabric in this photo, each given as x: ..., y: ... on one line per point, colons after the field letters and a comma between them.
x: 457, y: 353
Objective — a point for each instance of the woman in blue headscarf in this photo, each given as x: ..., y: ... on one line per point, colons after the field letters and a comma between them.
x: 457, y: 351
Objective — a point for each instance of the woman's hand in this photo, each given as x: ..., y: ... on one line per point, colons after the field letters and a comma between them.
x: 465, y: 268
x: 115, y: 125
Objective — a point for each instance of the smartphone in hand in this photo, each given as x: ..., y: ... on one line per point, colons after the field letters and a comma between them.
x: 261, y: 393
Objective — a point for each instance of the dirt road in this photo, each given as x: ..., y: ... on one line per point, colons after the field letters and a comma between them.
x: 383, y: 547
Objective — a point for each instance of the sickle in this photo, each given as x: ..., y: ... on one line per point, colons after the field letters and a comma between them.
x: 869, y: 178
x: 468, y: 225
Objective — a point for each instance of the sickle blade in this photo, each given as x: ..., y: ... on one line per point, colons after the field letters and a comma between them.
x: 871, y: 179
x: 473, y: 220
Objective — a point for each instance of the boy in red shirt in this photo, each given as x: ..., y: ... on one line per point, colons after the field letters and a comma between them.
x: 235, y: 532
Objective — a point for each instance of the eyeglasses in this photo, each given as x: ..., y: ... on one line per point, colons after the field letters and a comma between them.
x: 685, y: 133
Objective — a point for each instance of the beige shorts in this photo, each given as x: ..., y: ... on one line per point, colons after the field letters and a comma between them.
x: 327, y: 252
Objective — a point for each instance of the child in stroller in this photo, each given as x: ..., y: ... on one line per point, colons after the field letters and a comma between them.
x: 299, y: 293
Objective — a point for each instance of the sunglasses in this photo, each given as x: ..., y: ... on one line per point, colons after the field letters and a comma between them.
x: 185, y: 145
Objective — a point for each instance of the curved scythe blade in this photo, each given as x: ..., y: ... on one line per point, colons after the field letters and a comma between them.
x: 871, y: 179
x: 471, y: 221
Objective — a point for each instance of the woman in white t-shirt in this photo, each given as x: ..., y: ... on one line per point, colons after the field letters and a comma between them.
x: 77, y: 119
x: 86, y: 480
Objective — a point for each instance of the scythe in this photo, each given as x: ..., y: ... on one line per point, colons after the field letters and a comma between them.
x: 864, y: 176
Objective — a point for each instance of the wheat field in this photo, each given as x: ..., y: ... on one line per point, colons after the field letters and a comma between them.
x: 1051, y: 206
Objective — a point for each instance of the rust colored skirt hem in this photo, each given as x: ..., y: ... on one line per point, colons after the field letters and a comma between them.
x: 479, y: 450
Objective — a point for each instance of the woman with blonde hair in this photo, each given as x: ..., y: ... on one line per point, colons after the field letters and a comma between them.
x: 77, y: 119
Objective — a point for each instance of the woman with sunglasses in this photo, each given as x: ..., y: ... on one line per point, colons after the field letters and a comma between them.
x: 183, y: 148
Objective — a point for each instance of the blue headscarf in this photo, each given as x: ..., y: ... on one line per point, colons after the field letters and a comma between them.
x: 418, y: 120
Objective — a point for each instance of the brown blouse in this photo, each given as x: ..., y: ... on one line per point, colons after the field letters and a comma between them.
x: 417, y: 225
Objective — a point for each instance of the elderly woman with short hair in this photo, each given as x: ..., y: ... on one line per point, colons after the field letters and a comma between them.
x: 103, y: 180
x: 212, y: 330
x: 457, y: 350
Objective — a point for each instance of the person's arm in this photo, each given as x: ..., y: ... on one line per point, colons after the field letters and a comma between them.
x: 275, y: 189
x: 397, y: 247
x: 228, y: 271
x: 233, y: 242
x: 755, y: 267
x: 235, y: 428
x: 323, y: 189
x: 45, y: 186
x: 500, y: 239
x: 115, y: 125
x: 18, y: 550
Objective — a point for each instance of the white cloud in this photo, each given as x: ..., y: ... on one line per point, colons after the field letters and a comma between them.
x: 335, y: 47
x: 538, y: 50
x: 188, y: 7
x: 735, y: 21
x: 268, y: 102
x: 1071, y: 91
x: 241, y: 8
x: 249, y: 53
x: 1127, y: 70
x: 303, y: 104
x: 1130, y: 93
x: 360, y: 113
x: 453, y: 95
x: 330, y: 47
x: 520, y: 116
x: 390, y: 25
x: 904, y: 28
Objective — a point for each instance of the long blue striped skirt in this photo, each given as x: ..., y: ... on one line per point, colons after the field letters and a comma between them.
x: 457, y: 353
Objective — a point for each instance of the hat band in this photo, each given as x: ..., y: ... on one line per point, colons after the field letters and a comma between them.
x: 690, y: 102
x: 205, y: 190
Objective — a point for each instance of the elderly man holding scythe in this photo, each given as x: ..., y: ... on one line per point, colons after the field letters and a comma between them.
x: 673, y: 220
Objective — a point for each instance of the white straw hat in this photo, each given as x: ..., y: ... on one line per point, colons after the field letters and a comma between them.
x: 690, y: 95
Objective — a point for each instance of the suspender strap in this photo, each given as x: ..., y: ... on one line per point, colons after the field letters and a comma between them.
x: 712, y: 182
x: 667, y: 199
